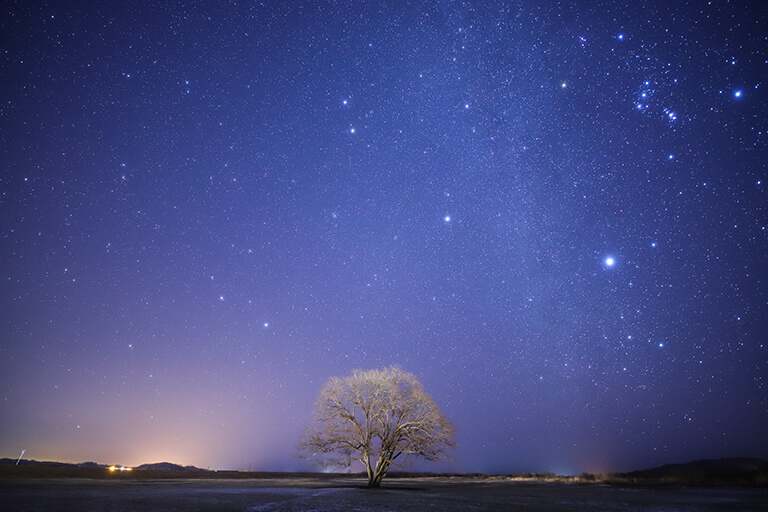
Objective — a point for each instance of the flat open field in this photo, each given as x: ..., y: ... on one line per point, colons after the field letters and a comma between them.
x: 347, y: 494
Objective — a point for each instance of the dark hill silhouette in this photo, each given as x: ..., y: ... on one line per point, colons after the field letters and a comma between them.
x: 32, y: 462
x: 710, y: 472
x: 167, y: 466
x: 161, y: 466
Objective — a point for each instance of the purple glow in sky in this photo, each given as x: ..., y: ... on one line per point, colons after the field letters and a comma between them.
x: 553, y: 214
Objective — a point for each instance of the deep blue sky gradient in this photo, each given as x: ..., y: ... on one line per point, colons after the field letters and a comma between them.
x: 209, y: 209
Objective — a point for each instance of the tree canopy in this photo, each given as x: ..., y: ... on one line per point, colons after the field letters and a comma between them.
x: 375, y: 417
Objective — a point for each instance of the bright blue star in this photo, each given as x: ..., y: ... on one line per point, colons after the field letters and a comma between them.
x: 737, y: 93
x: 609, y: 261
x: 447, y: 218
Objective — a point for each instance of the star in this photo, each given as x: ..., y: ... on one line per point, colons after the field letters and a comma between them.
x: 609, y: 261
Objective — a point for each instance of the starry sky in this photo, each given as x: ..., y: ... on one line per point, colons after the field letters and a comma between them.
x: 554, y: 214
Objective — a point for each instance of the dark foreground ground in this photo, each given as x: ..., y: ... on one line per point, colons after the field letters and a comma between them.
x: 347, y: 494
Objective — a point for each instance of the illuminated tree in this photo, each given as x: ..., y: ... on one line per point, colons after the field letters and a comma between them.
x: 375, y: 417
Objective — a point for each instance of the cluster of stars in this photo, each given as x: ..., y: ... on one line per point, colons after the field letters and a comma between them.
x: 576, y: 219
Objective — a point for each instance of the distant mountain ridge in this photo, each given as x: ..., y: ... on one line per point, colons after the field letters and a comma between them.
x: 33, y: 462
x: 168, y: 466
x: 731, y: 468
x: 164, y: 466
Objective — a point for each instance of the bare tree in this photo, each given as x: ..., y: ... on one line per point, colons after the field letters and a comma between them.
x: 374, y: 417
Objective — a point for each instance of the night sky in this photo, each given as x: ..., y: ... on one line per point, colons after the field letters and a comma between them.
x: 554, y: 214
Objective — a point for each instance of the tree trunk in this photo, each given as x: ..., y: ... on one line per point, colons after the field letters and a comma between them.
x: 367, y: 462
x: 375, y: 481
x: 375, y: 478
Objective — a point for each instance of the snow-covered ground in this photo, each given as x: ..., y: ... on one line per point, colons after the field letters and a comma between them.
x: 308, y: 494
